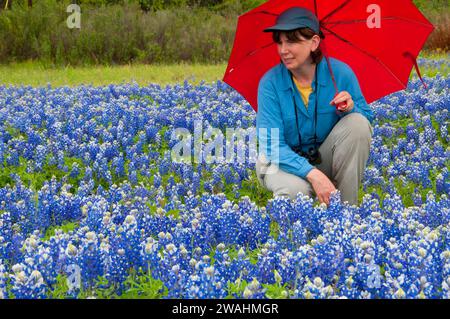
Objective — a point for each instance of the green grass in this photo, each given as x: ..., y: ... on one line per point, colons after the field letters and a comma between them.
x: 38, y: 74
x: 65, y: 228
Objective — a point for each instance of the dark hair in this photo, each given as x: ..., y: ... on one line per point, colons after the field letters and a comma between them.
x: 294, y: 35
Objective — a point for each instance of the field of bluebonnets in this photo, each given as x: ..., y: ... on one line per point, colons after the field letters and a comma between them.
x: 91, y: 204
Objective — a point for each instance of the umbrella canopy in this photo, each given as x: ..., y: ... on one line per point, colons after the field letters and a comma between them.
x: 380, y: 42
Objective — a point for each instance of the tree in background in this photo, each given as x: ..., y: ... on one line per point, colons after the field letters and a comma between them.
x: 7, y: 4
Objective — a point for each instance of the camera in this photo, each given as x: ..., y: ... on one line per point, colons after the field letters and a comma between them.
x: 312, y: 155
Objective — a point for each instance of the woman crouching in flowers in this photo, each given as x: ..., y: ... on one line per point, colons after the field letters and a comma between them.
x: 322, y: 140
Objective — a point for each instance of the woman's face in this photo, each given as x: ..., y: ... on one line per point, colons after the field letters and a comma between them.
x: 295, y: 54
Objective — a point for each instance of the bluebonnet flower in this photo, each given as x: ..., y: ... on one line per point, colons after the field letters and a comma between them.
x: 75, y: 170
x: 316, y: 289
x: 40, y: 156
x: 27, y: 283
x: 3, y: 280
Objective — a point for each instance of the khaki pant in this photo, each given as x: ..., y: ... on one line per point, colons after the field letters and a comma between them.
x: 344, y: 156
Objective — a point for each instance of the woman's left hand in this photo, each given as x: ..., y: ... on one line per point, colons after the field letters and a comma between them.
x: 343, y: 102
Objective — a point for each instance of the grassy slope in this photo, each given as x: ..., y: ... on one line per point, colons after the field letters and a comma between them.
x: 36, y: 74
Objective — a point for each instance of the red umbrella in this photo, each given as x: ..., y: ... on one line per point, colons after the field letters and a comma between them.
x: 380, y: 40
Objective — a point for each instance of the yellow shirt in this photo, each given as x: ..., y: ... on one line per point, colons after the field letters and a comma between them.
x: 304, y: 92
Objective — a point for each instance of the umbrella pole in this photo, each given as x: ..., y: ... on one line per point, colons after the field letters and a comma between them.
x: 325, y: 53
x: 342, y: 104
x: 327, y: 58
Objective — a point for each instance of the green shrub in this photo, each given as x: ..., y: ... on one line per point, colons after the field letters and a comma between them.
x: 120, y: 32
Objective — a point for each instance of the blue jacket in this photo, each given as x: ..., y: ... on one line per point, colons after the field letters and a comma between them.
x: 276, y: 111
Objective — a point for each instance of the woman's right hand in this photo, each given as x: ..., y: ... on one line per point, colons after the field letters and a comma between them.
x: 321, y: 185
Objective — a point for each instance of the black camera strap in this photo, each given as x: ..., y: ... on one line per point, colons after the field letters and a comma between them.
x: 315, y: 109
